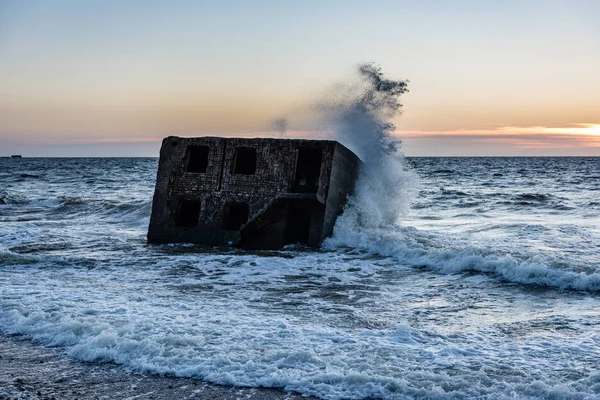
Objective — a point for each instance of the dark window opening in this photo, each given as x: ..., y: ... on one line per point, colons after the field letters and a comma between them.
x: 188, y: 213
x: 197, y: 159
x: 308, y: 170
x: 236, y: 215
x: 245, y: 161
x: 297, y: 225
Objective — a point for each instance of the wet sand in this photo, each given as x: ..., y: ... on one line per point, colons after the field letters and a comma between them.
x: 29, y: 371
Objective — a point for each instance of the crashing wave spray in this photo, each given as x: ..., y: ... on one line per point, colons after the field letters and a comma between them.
x: 359, y: 115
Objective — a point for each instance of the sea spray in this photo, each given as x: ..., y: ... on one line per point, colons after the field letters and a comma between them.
x: 360, y: 116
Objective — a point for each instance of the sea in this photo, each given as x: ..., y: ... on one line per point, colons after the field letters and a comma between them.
x: 486, y: 285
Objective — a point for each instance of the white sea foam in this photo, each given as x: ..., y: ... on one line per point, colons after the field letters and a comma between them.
x: 230, y: 338
x: 412, y: 247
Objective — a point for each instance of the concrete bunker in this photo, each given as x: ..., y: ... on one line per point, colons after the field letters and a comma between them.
x: 252, y: 193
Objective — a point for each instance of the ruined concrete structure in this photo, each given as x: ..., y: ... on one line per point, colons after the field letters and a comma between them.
x: 253, y: 193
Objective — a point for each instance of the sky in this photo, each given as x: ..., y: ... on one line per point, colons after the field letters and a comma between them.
x: 112, y: 78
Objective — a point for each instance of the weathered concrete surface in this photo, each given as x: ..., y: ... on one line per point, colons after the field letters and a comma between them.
x: 255, y: 193
x: 31, y: 372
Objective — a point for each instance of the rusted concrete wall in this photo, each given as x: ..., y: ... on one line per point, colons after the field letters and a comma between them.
x: 201, y: 185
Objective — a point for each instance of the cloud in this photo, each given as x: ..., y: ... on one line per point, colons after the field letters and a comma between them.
x: 581, y: 139
x: 575, y: 139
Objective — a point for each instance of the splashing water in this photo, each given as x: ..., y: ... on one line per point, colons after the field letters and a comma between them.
x: 359, y: 115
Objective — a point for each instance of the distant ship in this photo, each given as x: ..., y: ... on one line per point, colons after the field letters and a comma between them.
x: 16, y: 156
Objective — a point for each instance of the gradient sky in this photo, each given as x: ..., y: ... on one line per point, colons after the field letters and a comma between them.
x: 111, y: 78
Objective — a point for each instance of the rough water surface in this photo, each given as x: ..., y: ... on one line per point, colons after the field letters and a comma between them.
x: 487, y: 289
x: 31, y: 372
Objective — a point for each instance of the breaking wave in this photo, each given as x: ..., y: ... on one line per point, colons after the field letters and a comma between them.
x: 360, y: 116
x: 408, y: 246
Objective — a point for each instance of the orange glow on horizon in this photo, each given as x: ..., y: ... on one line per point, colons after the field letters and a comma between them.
x: 576, y: 139
x: 587, y: 129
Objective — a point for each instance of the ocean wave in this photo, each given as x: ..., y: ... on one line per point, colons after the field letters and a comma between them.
x: 452, y: 193
x: 11, y: 257
x: 89, y: 205
x: 468, y: 204
x: 529, y: 197
x: 25, y: 176
x: 530, y: 200
x: 412, y: 247
x: 399, y: 362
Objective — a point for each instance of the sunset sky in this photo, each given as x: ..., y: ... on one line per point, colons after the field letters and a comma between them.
x: 112, y: 78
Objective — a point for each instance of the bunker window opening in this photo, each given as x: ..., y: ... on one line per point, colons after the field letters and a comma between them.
x: 197, y: 159
x: 188, y: 213
x: 235, y: 216
x: 297, y: 225
x: 308, y: 170
x: 244, y: 162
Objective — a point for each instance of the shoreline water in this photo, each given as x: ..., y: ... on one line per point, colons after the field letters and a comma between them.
x: 29, y: 371
x: 488, y: 288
